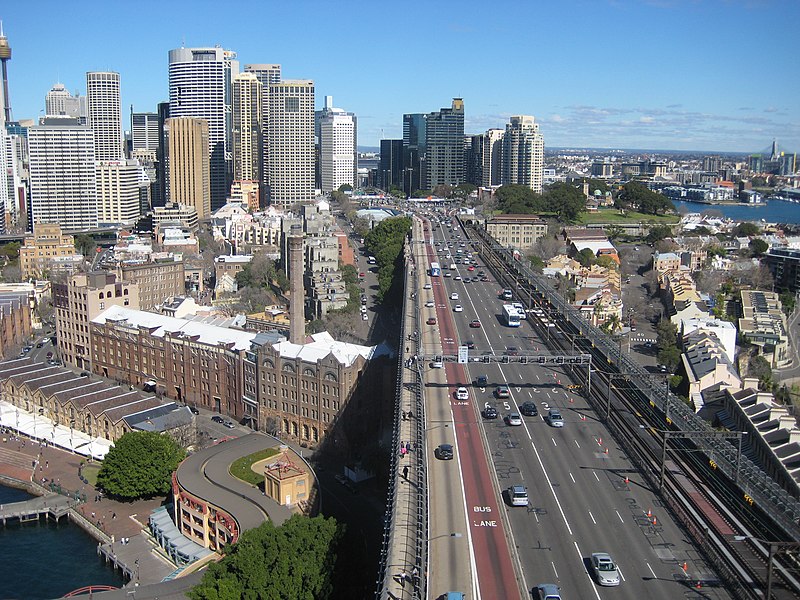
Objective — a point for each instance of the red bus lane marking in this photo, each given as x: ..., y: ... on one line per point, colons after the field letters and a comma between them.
x: 496, y: 577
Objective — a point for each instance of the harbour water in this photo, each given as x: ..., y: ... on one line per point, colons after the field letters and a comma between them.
x: 773, y: 211
x: 44, y: 560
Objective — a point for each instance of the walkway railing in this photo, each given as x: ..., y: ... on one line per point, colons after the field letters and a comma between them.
x: 403, y: 555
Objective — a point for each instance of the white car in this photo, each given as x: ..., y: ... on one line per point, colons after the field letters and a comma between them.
x: 458, y: 308
x: 427, y: 286
x: 604, y: 569
x: 364, y: 317
x: 454, y: 296
x: 429, y: 304
x: 363, y: 309
x: 462, y: 394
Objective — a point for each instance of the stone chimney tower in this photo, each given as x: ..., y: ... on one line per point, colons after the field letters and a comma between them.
x: 297, y: 320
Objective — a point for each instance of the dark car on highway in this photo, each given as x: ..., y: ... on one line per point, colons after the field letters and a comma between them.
x: 529, y: 409
x: 444, y: 452
x: 490, y: 412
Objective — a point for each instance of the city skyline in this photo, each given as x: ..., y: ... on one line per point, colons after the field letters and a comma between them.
x: 660, y: 74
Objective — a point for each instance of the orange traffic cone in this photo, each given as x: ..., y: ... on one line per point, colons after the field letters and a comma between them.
x: 685, y: 567
x: 649, y: 513
x: 655, y: 521
x: 627, y: 481
x: 606, y: 451
x: 699, y: 584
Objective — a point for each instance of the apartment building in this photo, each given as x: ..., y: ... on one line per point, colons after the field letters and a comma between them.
x: 15, y: 323
x: 157, y: 280
x: 519, y: 232
x: 80, y: 300
x: 48, y: 249
x: 763, y: 323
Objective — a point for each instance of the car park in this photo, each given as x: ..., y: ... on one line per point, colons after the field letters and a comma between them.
x: 502, y: 391
x: 475, y: 324
x: 462, y: 394
x: 218, y: 419
x: 458, y: 308
x: 554, y: 418
x: 444, y: 452
x: 529, y: 409
x: 229, y: 424
x: 490, y: 412
x: 604, y: 568
x: 518, y: 495
x: 513, y: 419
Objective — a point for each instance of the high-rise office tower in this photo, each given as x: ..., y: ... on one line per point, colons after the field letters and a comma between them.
x: 414, y: 138
x: 5, y: 56
x: 291, y: 142
x: 104, y: 114
x: 161, y: 190
x: 523, y: 153
x: 144, y: 131
x: 6, y: 182
x: 390, y: 168
x: 247, y: 123
x: 336, y: 137
x: 473, y: 158
x: 59, y: 102
x: 444, y: 141
x: 267, y: 74
x: 189, y: 164
x: 492, y: 169
x: 62, y: 167
x: 200, y: 86
x: 118, y: 192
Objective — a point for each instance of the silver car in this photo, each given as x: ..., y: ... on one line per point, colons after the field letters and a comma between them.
x: 605, y: 570
x: 554, y: 418
x: 514, y: 419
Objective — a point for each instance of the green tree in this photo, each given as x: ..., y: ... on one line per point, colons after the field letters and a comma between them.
x: 292, y: 562
x: 666, y: 334
x: 463, y: 190
x: 385, y: 242
x: 614, y: 232
x: 759, y: 367
x: 566, y: 201
x: 637, y: 196
x: 658, y: 233
x: 747, y: 230
x: 788, y: 302
x: 85, y: 244
x: 10, y: 250
x: 140, y: 465
x: 586, y: 257
x: 670, y: 357
x: 345, y: 187
x: 757, y: 247
x: 518, y: 199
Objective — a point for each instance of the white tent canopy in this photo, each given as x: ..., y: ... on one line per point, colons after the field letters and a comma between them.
x: 39, y: 427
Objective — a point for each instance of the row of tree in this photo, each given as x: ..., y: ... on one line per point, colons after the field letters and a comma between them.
x: 637, y: 196
x: 385, y: 242
x: 564, y: 201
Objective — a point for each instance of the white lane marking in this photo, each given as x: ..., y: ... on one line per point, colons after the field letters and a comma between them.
x: 591, y: 516
x: 620, y: 573
x: 530, y: 394
x: 620, y: 516
x: 554, y: 441
x: 554, y: 568
x: 572, y: 477
x: 586, y: 572
x: 577, y: 444
x: 651, y: 570
x: 595, y: 475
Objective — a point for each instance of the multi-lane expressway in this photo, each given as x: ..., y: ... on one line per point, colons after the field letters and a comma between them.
x: 584, y: 494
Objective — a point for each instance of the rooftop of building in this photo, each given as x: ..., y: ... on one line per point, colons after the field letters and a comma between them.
x: 160, y: 325
x: 516, y: 219
x: 321, y: 345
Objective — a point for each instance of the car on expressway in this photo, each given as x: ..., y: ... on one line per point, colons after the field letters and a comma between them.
x: 513, y: 419
x: 471, y: 268
x: 502, y: 391
x: 457, y: 277
x: 431, y: 321
x: 429, y: 304
x: 454, y: 296
x: 605, y: 570
x: 518, y: 495
x: 512, y: 351
x: 481, y: 381
x: 554, y: 418
x: 546, y: 591
x: 444, y: 452
x: 427, y: 286
x: 489, y: 412
x: 529, y: 409
x: 469, y: 344
x: 458, y: 308
x: 475, y: 324
x: 462, y: 394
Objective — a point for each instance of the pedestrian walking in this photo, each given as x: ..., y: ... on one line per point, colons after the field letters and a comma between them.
x: 405, y: 472
x: 408, y: 446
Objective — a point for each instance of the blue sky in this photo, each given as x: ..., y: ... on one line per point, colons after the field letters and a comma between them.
x: 660, y: 74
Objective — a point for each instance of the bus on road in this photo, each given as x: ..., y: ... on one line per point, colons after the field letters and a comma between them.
x: 511, y: 315
x: 436, y: 270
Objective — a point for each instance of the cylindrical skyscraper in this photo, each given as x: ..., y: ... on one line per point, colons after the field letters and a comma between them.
x: 5, y: 56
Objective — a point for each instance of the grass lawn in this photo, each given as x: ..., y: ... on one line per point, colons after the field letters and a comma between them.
x: 90, y: 472
x: 242, y: 467
x: 611, y: 215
